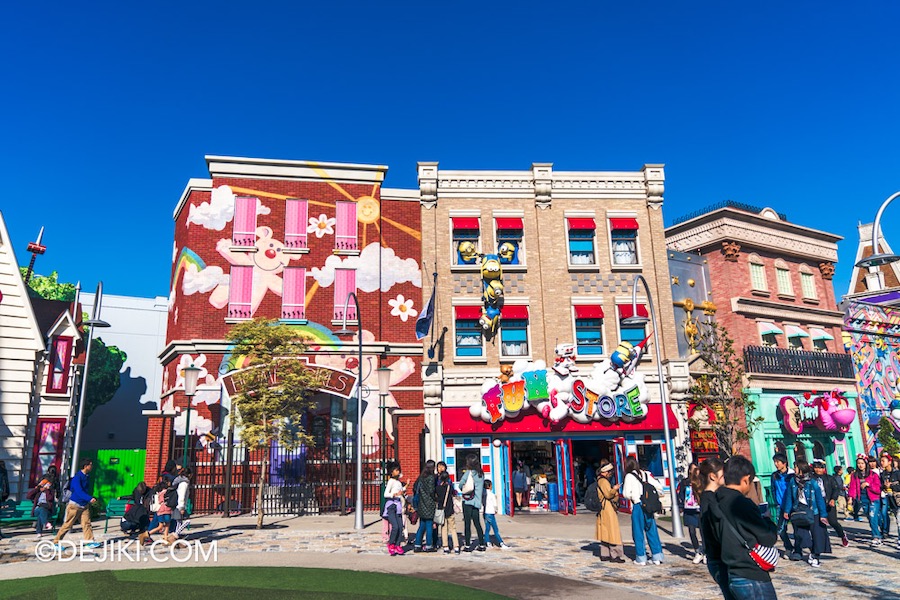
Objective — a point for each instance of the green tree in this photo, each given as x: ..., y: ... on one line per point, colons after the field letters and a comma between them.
x: 886, y: 436
x: 103, y: 375
x: 49, y: 287
x: 720, y: 389
x: 275, y: 391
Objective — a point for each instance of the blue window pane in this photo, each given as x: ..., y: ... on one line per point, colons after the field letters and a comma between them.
x: 590, y: 350
x: 635, y: 335
x: 465, y: 234
x: 581, y: 234
x: 514, y: 335
x: 587, y: 336
x: 469, y: 351
x: 624, y: 234
x: 581, y: 246
x: 509, y: 234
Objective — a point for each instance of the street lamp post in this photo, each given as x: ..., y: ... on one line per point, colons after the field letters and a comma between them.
x: 384, y: 388
x: 878, y: 259
x: 359, y: 524
x: 191, y: 377
x: 94, y: 321
x: 677, y: 532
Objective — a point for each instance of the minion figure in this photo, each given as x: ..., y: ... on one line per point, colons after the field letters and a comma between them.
x: 490, y: 320
x: 622, y: 355
x: 493, y: 293
x: 490, y: 268
x: 508, y: 253
x: 467, y: 252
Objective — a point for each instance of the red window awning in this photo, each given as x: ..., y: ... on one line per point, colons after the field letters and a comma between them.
x: 468, y: 312
x: 581, y: 223
x: 509, y: 223
x: 514, y: 312
x: 588, y: 311
x: 623, y: 224
x: 465, y: 223
x: 625, y: 311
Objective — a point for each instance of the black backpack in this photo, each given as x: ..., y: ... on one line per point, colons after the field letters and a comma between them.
x: 649, y: 498
x: 592, y: 498
x: 171, y: 497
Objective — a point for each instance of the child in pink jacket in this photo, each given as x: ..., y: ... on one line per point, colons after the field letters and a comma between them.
x: 865, y: 488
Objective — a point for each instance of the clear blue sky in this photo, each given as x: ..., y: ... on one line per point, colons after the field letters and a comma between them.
x: 106, y: 112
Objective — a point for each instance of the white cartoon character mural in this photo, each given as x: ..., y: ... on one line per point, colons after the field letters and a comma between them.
x: 401, y: 369
x: 268, y: 262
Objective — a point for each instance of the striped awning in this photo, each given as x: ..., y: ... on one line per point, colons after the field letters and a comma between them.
x: 819, y: 334
x: 794, y: 331
x: 766, y: 328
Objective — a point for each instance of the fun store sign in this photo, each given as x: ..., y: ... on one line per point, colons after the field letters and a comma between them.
x: 829, y: 412
x: 610, y: 391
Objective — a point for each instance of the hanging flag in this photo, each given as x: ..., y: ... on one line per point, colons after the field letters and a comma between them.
x: 423, y: 323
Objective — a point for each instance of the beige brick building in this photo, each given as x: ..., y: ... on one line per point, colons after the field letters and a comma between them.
x: 570, y: 244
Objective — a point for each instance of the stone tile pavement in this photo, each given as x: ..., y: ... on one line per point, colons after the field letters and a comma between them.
x: 545, y: 548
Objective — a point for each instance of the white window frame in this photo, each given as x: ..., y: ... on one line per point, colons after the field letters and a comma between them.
x: 467, y: 359
x: 754, y: 261
x: 783, y: 279
x: 637, y: 241
x: 523, y: 263
x: 807, y: 276
x: 590, y: 357
x: 454, y: 266
x: 528, y: 337
x: 587, y: 266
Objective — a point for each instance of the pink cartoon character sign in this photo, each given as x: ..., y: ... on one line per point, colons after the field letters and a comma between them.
x: 829, y: 412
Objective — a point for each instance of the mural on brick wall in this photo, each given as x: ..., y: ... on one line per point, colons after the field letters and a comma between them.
x: 830, y: 411
x: 873, y: 341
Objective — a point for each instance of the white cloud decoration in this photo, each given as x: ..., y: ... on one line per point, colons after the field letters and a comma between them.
x: 219, y: 211
x: 202, y: 281
x: 395, y: 269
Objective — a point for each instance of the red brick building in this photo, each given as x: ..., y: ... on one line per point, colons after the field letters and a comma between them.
x: 771, y: 285
x: 289, y: 240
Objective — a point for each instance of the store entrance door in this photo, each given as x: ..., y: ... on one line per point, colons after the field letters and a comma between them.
x: 539, y: 464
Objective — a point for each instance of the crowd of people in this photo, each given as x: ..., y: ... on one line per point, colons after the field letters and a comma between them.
x: 722, y: 501
x: 160, y: 510
x: 432, y: 506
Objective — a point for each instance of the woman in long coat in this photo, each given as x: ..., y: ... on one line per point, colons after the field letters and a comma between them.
x: 608, y: 521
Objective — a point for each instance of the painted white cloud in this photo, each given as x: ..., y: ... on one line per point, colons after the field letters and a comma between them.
x: 394, y: 269
x: 199, y: 424
x: 202, y: 281
x: 219, y: 211
x: 174, y: 251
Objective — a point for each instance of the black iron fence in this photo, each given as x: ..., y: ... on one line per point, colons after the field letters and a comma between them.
x: 301, y: 481
x: 803, y: 363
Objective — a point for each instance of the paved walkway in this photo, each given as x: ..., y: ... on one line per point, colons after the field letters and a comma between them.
x: 551, y: 556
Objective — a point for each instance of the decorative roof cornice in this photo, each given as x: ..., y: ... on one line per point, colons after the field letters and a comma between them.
x: 752, y: 231
x: 303, y: 170
x: 774, y: 310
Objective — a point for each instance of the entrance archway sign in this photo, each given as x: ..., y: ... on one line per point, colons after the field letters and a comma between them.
x: 327, y: 379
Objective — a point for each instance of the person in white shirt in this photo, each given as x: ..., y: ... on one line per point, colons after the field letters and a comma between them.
x: 393, y: 508
x: 643, y: 522
x: 490, y: 514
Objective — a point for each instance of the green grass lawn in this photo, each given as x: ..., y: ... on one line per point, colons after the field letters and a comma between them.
x: 227, y: 583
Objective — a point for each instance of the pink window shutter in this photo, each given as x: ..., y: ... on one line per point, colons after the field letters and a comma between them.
x: 244, y: 233
x: 296, y: 220
x: 294, y: 295
x: 344, y: 283
x: 345, y: 237
x: 240, y: 292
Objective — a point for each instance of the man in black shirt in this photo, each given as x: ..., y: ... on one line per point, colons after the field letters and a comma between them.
x: 831, y: 492
x: 747, y: 581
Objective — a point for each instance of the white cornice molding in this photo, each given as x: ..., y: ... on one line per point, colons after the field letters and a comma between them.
x: 762, y: 235
x: 193, y: 185
x: 400, y: 195
x: 179, y: 347
x: 774, y: 310
x: 301, y: 170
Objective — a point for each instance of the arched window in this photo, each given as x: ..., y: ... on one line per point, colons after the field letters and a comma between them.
x: 783, y: 278
x: 818, y: 451
x: 808, y: 282
x: 757, y: 273
x: 800, y: 451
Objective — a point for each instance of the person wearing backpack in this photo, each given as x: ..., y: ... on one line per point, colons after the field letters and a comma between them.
x: 180, y: 488
x: 472, y: 487
x: 711, y: 476
x: 78, y: 505
x: 688, y: 493
x: 425, y: 505
x: 158, y: 505
x: 606, y: 497
x: 42, y: 496
x: 806, y: 510
x: 736, y: 515
x: 642, y: 490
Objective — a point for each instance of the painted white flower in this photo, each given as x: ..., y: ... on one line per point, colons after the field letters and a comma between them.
x: 321, y: 226
x: 186, y: 361
x: 403, y: 308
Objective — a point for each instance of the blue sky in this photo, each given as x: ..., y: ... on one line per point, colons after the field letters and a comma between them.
x: 107, y: 111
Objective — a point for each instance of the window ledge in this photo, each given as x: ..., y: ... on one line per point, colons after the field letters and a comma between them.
x: 761, y: 293
x: 295, y: 321
x: 465, y: 268
x: 345, y: 252
x: 637, y: 267
x: 295, y: 250
x: 340, y: 322
x: 584, y: 268
x: 55, y: 395
x: 232, y: 321
x: 515, y: 358
x: 811, y: 301
x: 470, y: 361
x: 252, y: 249
x: 786, y: 296
x: 513, y: 268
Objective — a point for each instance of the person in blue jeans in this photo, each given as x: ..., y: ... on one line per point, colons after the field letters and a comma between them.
x: 43, y: 506
x: 641, y: 523
x: 426, y: 506
x: 490, y: 515
x: 746, y: 579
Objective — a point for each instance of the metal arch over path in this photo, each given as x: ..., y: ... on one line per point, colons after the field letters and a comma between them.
x: 327, y: 379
